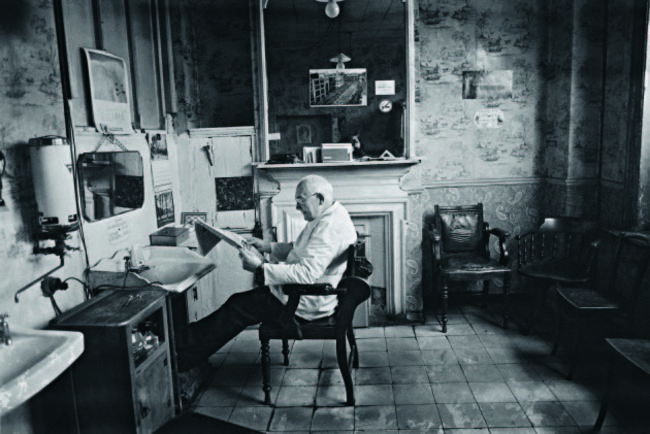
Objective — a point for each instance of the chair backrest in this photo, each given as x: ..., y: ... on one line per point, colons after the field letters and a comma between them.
x: 567, y: 238
x: 461, y: 228
x: 630, y: 267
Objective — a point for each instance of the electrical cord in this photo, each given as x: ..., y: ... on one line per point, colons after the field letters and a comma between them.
x: 3, y: 160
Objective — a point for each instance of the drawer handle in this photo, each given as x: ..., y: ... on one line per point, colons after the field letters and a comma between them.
x: 145, y: 411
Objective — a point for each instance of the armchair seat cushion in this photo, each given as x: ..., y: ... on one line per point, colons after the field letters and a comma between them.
x: 323, y: 328
x: 588, y: 298
x: 556, y: 270
x: 471, y: 264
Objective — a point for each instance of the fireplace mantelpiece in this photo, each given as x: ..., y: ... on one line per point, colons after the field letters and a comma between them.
x: 365, y: 188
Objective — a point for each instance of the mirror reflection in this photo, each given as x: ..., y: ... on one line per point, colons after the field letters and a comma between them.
x: 111, y: 183
x: 365, y: 35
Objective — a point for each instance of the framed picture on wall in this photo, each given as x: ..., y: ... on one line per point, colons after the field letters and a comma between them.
x: 338, y: 87
x: 109, y: 92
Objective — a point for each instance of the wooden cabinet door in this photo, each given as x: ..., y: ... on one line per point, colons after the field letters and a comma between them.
x: 153, y: 400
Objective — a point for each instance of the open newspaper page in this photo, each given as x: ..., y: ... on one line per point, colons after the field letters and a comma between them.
x: 208, y: 236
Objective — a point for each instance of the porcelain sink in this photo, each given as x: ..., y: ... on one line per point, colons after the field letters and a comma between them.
x: 171, y: 268
x: 33, y: 360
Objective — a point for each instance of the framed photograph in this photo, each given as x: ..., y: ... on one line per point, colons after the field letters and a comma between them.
x: 487, y: 85
x: 303, y: 133
x: 338, y: 87
x: 109, y: 92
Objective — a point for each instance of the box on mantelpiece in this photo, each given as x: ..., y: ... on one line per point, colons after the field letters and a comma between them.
x: 336, y: 152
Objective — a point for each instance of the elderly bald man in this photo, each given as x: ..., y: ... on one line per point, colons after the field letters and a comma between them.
x: 318, y: 255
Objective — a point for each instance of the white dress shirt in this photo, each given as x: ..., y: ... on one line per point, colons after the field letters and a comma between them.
x: 319, y: 255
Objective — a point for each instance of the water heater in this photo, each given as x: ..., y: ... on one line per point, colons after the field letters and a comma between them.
x: 54, y: 184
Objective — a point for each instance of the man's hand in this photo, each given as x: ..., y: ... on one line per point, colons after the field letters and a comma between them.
x: 249, y: 260
x: 261, y: 245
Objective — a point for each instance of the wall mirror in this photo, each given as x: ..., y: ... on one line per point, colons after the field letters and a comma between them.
x: 110, y: 183
x: 299, y: 38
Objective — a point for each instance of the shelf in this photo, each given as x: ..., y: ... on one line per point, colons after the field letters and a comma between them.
x: 338, y: 165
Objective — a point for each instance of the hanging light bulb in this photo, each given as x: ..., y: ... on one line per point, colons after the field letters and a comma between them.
x: 332, y: 9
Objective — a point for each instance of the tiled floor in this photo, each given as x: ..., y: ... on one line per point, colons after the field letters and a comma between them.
x: 476, y: 379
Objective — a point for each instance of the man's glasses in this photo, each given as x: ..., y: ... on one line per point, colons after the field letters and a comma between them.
x: 302, y: 200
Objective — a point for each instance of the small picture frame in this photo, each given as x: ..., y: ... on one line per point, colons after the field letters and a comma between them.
x: 303, y: 134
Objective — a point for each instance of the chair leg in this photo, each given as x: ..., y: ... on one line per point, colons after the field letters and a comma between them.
x: 486, y: 291
x: 558, y: 334
x: 606, y: 398
x: 539, y: 297
x: 354, y: 352
x: 342, y: 358
x: 266, y: 371
x: 506, y: 301
x: 574, y: 356
x: 285, y: 351
x: 444, y: 301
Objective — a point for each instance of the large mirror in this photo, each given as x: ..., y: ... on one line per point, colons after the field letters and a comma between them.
x: 366, y: 35
x: 110, y: 183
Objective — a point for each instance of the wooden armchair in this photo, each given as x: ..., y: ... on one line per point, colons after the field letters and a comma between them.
x: 460, y: 242
x: 585, y: 309
x: 563, y: 250
x: 351, y: 291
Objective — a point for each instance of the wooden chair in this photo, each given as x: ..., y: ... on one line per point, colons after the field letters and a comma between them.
x: 352, y: 290
x: 628, y: 355
x: 586, y: 308
x: 460, y: 242
x: 563, y: 250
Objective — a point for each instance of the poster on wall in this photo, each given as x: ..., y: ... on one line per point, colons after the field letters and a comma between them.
x: 488, y: 85
x: 109, y: 92
x: 338, y: 87
x: 164, y: 207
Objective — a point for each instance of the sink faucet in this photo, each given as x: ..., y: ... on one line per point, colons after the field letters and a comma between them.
x: 129, y: 268
x: 5, y: 334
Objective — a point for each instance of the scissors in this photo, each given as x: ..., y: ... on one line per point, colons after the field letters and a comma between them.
x: 131, y: 298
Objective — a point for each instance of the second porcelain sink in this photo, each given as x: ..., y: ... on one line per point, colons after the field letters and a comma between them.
x: 171, y: 268
x: 33, y: 360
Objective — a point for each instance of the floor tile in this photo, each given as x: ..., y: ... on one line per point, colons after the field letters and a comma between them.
x: 330, y: 396
x: 506, y: 355
x: 472, y: 355
x: 402, y: 344
x: 496, y: 341
x: 585, y: 413
x: 461, y: 415
x: 291, y: 419
x: 375, y: 417
x: 460, y: 329
x: 296, y: 396
x: 409, y: 374
x: 370, y: 332
x: 519, y: 372
x: 375, y: 394
x: 445, y: 373
x: 439, y: 357
x: 564, y: 430
x: 245, y: 346
x: 426, y: 330
x: 571, y: 391
x: 330, y: 377
x: 514, y: 431
x: 420, y: 417
x: 255, y: 418
x: 255, y: 376
x: 379, y: 375
x: 221, y: 413
x: 305, y: 360
x: 412, y: 394
x: 369, y: 359
x: 492, y: 392
x: 241, y: 359
x: 452, y: 393
x: 220, y: 396
x: 470, y: 341
x: 399, y: 331
x: 371, y: 344
x: 504, y: 415
x: 528, y: 391
x: 481, y: 373
x: 547, y: 414
x: 301, y: 377
x: 405, y: 358
x: 433, y: 343
x: 231, y: 375
x: 333, y: 419
x: 308, y: 346
x: 252, y: 396
x: 467, y: 430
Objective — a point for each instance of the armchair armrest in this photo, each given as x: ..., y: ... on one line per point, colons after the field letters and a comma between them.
x: 503, y: 247
x: 436, y: 239
x: 287, y: 317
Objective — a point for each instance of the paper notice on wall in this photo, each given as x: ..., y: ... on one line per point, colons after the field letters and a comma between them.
x: 118, y: 230
x: 489, y: 118
x: 160, y: 165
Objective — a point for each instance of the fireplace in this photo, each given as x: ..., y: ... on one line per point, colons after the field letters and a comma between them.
x: 372, y: 194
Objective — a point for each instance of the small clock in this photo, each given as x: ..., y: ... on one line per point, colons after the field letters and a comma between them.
x: 385, y: 105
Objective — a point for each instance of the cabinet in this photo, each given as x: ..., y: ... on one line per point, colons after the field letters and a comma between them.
x: 123, y: 380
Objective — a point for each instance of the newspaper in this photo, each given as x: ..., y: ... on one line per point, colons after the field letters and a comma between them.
x: 208, y: 236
